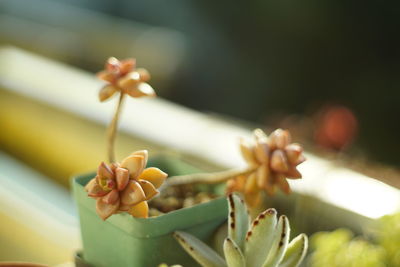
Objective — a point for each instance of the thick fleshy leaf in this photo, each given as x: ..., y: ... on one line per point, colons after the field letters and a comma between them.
x: 140, y: 210
x: 105, y: 210
x: 149, y: 190
x: 283, y: 183
x: 122, y: 178
x: 142, y: 89
x: 251, y: 184
x: 129, y: 81
x: 238, y: 220
x: 144, y: 74
x: 104, y: 171
x: 123, y: 207
x: 279, y: 244
x: 263, y: 175
x: 202, y: 253
x: 236, y: 184
x: 106, y: 76
x: 293, y: 173
x: 132, y: 194
x: 106, y: 92
x: 112, y: 64
x: 260, y: 135
x: 253, y: 199
x: 293, y: 152
x: 247, y: 152
x: 279, y: 161
x: 127, y: 65
x: 295, y: 252
x: 261, y: 151
x: 154, y: 176
x: 279, y: 139
x: 134, y: 164
x: 111, y: 197
x: 144, y: 153
x: 301, y: 159
x: 260, y: 238
x: 94, y: 189
x: 233, y: 255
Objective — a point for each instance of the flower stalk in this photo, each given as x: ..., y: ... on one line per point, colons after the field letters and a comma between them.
x: 112, y: 130
x: 208, y: 178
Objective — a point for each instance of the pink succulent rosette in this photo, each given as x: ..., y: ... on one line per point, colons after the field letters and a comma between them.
x: 274, y: 159
x: 125, y: 187
x: 123, y: 76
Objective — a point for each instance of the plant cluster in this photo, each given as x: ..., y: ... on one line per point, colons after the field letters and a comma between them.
x: 262, y: 243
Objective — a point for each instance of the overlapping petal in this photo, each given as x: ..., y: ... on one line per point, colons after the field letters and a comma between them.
x: 125, y: 187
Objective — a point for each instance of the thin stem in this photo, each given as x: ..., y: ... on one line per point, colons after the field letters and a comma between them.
x: 112, y: 129
x: 207, y: 178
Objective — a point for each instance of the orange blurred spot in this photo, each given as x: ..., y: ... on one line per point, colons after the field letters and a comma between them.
x: 337, y: 127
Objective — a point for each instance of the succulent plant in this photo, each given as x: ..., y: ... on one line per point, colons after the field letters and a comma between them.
x: 122, y: 76
x: 274, y: 158
x: 263, y: 243
x: 125, y: 187
x: 271, y: 160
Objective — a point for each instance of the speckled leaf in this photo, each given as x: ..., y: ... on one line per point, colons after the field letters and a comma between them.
x: 202, y: 253
x: 233, y: 255
x: 295, y: 252
x: 260, y: 237
x: 238, y: 220
x: 279, y: 245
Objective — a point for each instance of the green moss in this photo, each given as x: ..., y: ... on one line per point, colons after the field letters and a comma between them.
x: 341, y: 249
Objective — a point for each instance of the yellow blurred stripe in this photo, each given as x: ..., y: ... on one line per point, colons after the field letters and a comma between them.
x: 56, y: 143
x: 21, y: 243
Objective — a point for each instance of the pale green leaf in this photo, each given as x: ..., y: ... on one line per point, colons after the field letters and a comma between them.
x: 260, y: 237
x: 238, y: 220
x: 279, y: 245
x: 233, y: 255
x: 295, y: 252
x: 202, y: 253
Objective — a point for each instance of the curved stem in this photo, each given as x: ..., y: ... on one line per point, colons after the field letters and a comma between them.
x: 207, y: 178
x: 112, y: 129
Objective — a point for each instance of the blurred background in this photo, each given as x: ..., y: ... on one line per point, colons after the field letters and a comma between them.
x: 260, y: 61
x: 326, y: 70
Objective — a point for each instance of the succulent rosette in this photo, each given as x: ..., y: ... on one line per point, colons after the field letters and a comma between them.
x: 125, y: 187
x: 274, y: 159
x: 123, y: 76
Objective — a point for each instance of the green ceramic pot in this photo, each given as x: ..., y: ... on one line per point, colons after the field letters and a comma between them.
x: 122, y: 240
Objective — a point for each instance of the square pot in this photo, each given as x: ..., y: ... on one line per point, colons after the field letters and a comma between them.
x: 123, y: 240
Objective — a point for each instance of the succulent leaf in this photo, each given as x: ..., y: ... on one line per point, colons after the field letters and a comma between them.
x: 154, y: 176
x: 140, y: 210
x: 202, y: 253
x: 279, y: 245
x: 295, y: 252
x: 260, y: 238
x: 238, y: 220
x: 134, y: 164
x: 233, y: 255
